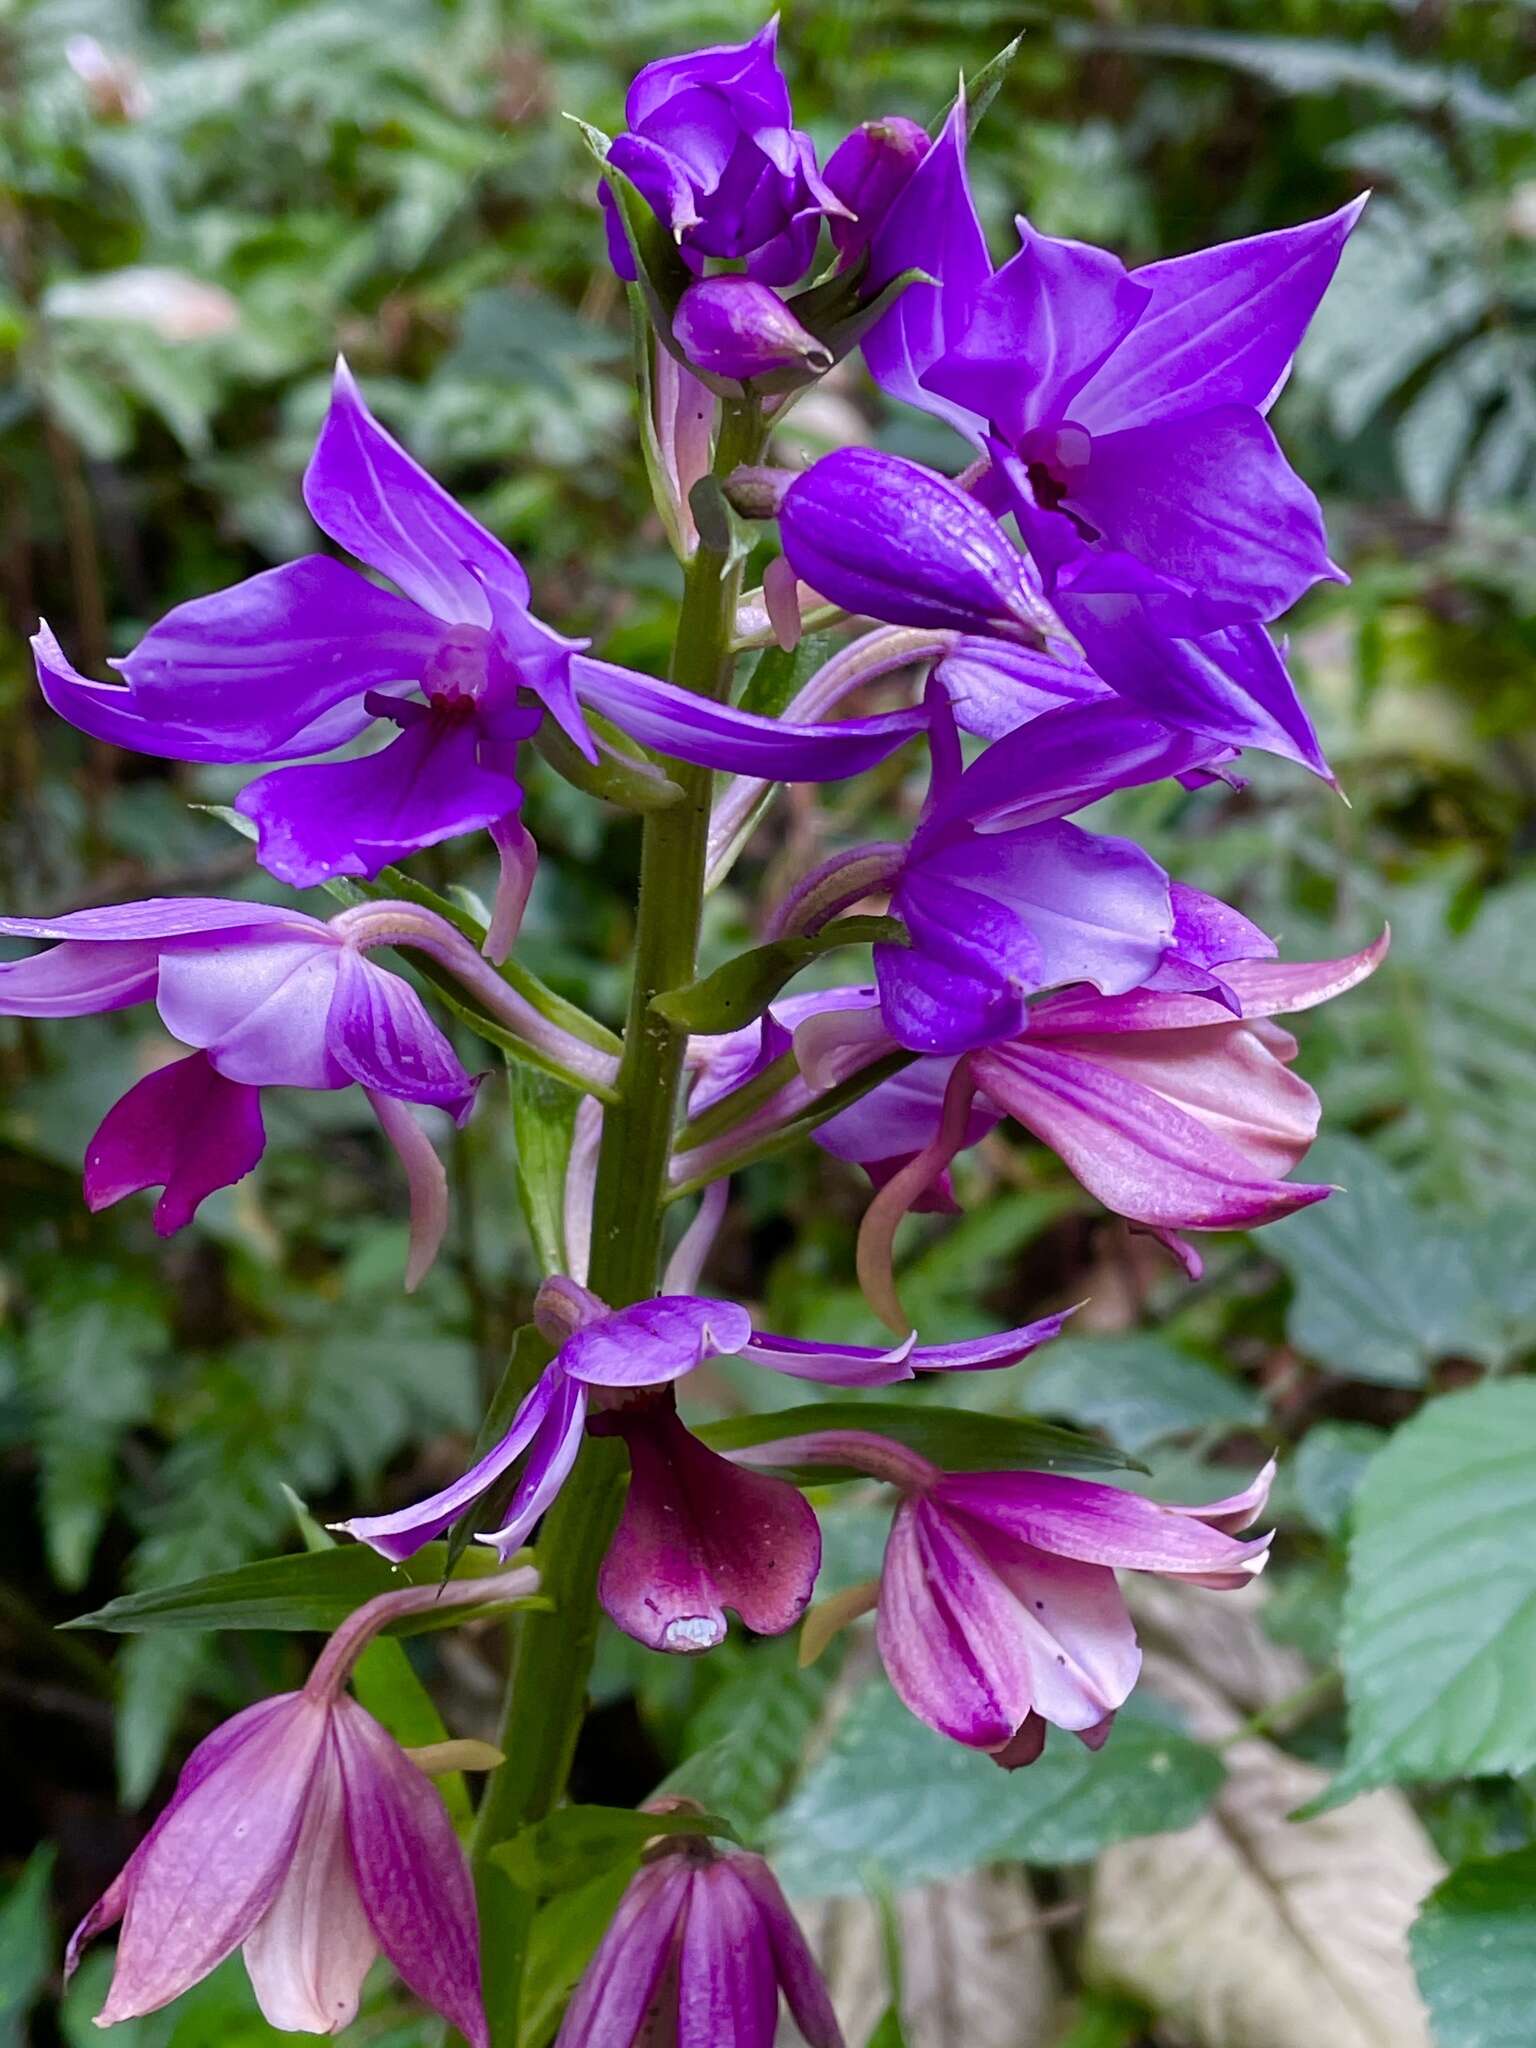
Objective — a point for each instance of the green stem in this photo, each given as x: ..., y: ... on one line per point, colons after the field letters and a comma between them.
x: 546, y: 1694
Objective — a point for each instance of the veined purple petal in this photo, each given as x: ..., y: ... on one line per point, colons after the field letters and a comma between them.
x: 378, y: 1031
x: 400, y: 1535
x: 355, y: 817
x: 217, y: 1862
x: 312, y: 1948
x: 948, y: 1631
x: 995, y: 686
x: 1141, y: 1151
x: 964, y: 978
x: 698, y: 1535
x: 210, y: 1755
x: 258, y: 1008
x: 253, y: 668
x: 931, y: 226
x: 1039, y: 329
x: 381, y: 506
x: 733, y: 327
x: 80, y: 978
x: 1221, y: 327
x: 1058, y: 763
x: 746, y: 75
x: 655, y: 1341
x: 727, y: 1983
x: 1097, y: 1525
x: 888, y: 539
x: 550, y: 1457
x: 1211, y: 501
x: 713, y: 735
x: 621, y: 1982
x: 410, y: 1871
x: 183, y: 1128
x: 1075, y: 1631
x: 1262, y: 987
x: 161, y: 917
x: 426, y: 1177
x: 109, y: 711
x: 859, y: 1365
x: 800, y: 1979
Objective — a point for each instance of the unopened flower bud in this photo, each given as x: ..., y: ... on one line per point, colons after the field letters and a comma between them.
x: 731, y: 327
x: 867, y: 171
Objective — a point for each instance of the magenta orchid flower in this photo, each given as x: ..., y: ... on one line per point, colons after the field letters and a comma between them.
x: 711, y: 148
x: 697, y: 1954
x: 698, y: 1534
x: 264, y: 998
x: 300, y: 659
x: 303, y: 1834
x: 998, y: 1607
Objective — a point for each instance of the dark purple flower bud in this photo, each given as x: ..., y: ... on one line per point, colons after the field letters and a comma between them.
x: 887, y: 539
x: 709, y: 146
x: 731, y: 327
x: 867, y: 171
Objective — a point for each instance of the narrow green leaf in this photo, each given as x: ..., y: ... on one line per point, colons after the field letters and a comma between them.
x: 744, y: 987
x: 26, y: 1943
x: 313, y: 1590
x: 982, y: 87
x: 843, y: 335
x: 780, y: 673
x: 571, y: 1847
x: 1474, y: 1952
x: 543, y: 1119
x: 956, y: 1439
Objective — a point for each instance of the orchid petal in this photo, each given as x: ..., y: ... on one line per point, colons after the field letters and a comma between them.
x: 655, y: 1341
x: 621, y: 1982
x: 184, y: 1128
x: 80, y: 978
x: 381, y: 506
x: 727, y: 1986
x: 380, y: 1034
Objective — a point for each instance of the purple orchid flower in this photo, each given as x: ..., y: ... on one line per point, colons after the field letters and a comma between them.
x: 711, y: 149
x: 264, y: 997
x: 301, y: 1832
x: 1000, y: 896
x: 998, y: 1609
x: 698, y: 1535
x: 1126, y: 412
x: 1175, y: 1115
x: 299, y: 659
x: 697, y: 1954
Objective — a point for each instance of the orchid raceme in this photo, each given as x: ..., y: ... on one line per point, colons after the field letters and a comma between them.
x: 998, y: 1607
x: 303, y: 1834
x: 1079, y: 618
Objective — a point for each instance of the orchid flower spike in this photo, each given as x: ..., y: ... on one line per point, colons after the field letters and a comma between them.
x: 301, y: 1832
x: 698, y: 1534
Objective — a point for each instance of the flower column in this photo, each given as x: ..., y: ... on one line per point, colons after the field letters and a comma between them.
x: 546, y: 1693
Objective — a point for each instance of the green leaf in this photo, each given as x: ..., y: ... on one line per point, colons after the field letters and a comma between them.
x: 957, y: 1439
x: 1439, y: 1635
x: 780, y: 673
x: 1474, y: 1952
x: 742, y: 989
x: 887, y: 1790
x: 26, y: 1944
x: 1139, y: 1389
x: 982, y: 88
x: 1326, y: 1472
x: 543, y: 1119
x: 84, y: 1368
x: 561, y: 1943
x: 1383, y: 1289
x: 747, y: 1740
x: 571, y: 1847
x: 313, y: 1590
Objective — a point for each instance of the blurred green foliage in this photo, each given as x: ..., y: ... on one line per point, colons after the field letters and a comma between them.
x: 200, y: 202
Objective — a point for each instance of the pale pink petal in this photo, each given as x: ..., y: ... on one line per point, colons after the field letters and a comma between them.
x: 427, y: 1178
x: 309, y: 1953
